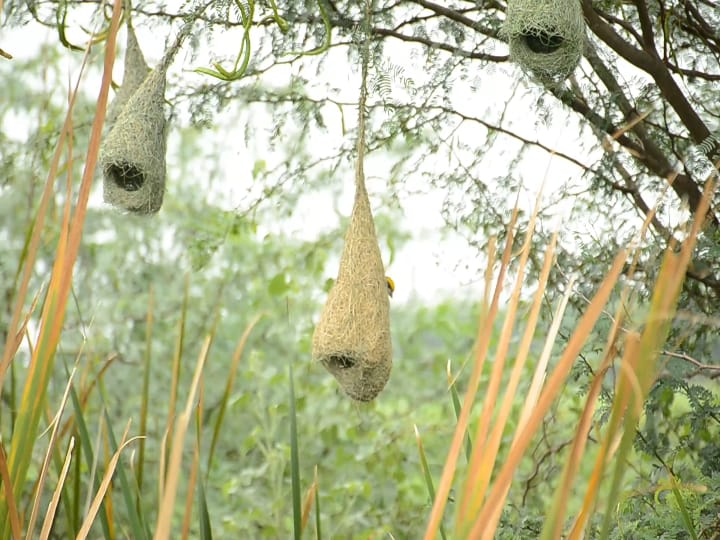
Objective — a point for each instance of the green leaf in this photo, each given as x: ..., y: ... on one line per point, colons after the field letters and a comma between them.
x: 278, y: 285
x: 259, y: 167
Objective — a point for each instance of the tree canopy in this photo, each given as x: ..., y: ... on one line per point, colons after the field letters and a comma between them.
x: 632, y: 135
x: 640, y: 110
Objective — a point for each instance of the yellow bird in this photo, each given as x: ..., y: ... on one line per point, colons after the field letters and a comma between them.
x: 390, y: 285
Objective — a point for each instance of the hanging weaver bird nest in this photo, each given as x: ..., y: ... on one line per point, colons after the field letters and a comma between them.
x: 546, y: 37
x: 352, y: 339
x: 134, y: 73
x: 132, y: 156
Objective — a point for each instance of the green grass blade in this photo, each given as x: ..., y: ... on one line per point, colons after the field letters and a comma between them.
x: 13, y: 397
x: 318, y: 530
x: 203, y: 515
x: 145, y: 397
x: 222, y: 408
x: 176, y: 365
x: 87, y: 450
x: 456, y: 407
x: 687, y: 520
x: 426, y: 474
x: 134, y: 514
x: 294, y: 462
x: 101, y: 493
x: 74, y: 507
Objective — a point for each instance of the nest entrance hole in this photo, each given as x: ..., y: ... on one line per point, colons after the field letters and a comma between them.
x: 543, y: 40
x: 126, y: 176
x: 341, y: 361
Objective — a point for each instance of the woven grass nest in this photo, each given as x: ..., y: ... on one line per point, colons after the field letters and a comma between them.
x: 352, y: 339
x: 132, y: 156
x: 546, y: 37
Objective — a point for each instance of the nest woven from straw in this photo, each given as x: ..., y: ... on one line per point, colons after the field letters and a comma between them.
x: 546, y: 37
x: 132, y: 156
x: 352, y: 339
x: 134, y: 73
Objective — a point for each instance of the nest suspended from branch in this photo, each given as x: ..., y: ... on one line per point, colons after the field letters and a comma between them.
x: 134, y: 73
x: 546, y: 37
x: 132, y: 156
x: 352, y: 339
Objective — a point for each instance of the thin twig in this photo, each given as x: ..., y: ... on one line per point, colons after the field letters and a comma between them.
x: 691, y: 360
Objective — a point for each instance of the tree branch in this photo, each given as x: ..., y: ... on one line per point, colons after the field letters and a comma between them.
x: 650, y: 63
x: 651, y: 155
x: 646, y: 27
x: 606, y: 33
x: 440, y: 46
x: 457, y: 17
